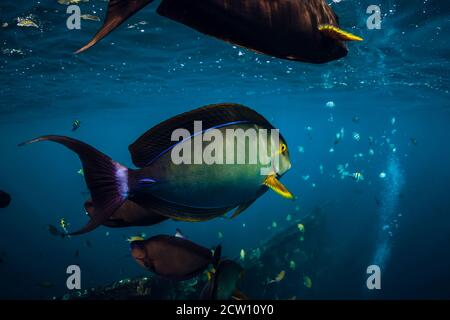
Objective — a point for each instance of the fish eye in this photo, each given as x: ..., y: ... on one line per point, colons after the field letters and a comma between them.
x: 283, y: 148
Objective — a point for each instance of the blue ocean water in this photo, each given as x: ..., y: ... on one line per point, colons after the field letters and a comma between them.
x: 392, y: 90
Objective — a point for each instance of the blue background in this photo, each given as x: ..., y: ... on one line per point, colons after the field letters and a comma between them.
x: 141, y: 75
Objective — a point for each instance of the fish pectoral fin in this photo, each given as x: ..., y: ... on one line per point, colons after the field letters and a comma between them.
x: 338, y: 34
x: 273, y: 183
x: 238, y: 295
x: 242, y: 208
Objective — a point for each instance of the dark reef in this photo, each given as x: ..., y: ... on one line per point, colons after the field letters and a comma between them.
x: 305, y: 248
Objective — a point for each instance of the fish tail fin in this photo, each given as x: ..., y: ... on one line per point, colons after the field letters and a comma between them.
x: 217, y: 255
x: 106, y: 179
x: 118, y: 12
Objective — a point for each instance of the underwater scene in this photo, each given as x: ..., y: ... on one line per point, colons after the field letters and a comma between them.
x: 354, y: 199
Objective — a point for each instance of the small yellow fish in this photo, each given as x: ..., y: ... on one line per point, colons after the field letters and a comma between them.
x: 89, y: 17
x: 292, y: 264
x: 210, y: 273
x: 135, y: 238
x: 307, y: 282
x: 26, y: 23
x: 64, y: 225
x: 301, y: 227
x: 81, y: 172
x: 278, y: 278
x: 242, y: 254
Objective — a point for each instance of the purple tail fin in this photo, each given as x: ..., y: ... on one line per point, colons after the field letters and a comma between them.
x: 106, y: 179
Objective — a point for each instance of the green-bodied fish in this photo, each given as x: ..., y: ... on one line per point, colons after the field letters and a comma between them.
x: 193, y: 167
x: 223, y: 283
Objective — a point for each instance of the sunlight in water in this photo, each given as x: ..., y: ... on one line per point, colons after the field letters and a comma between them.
x: 393, y: 184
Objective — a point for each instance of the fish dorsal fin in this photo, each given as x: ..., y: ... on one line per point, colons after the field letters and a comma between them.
x: 157, y: 140
x: 118, y: 12
x: 338, y: 34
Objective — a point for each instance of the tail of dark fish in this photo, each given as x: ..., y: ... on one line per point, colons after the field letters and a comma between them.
x: 106, y: 179
x: 118, y: 12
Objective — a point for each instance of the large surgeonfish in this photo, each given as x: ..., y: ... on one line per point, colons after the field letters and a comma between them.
x: 301, y: 30
x: 163, y: 188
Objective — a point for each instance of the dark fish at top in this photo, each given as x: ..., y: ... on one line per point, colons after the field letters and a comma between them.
x: 173, y: 257
x: 162, y: 189
x: 5, y: 199
x: 301, y: 30
x: 223, y: 283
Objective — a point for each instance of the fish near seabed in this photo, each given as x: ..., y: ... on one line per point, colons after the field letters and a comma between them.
x: 223, y: 283
x: 173, y: 257
x: 300, y: 30
x: 162, y: 189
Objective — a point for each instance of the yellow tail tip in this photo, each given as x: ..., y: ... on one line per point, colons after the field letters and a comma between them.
x: 338, y: 34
